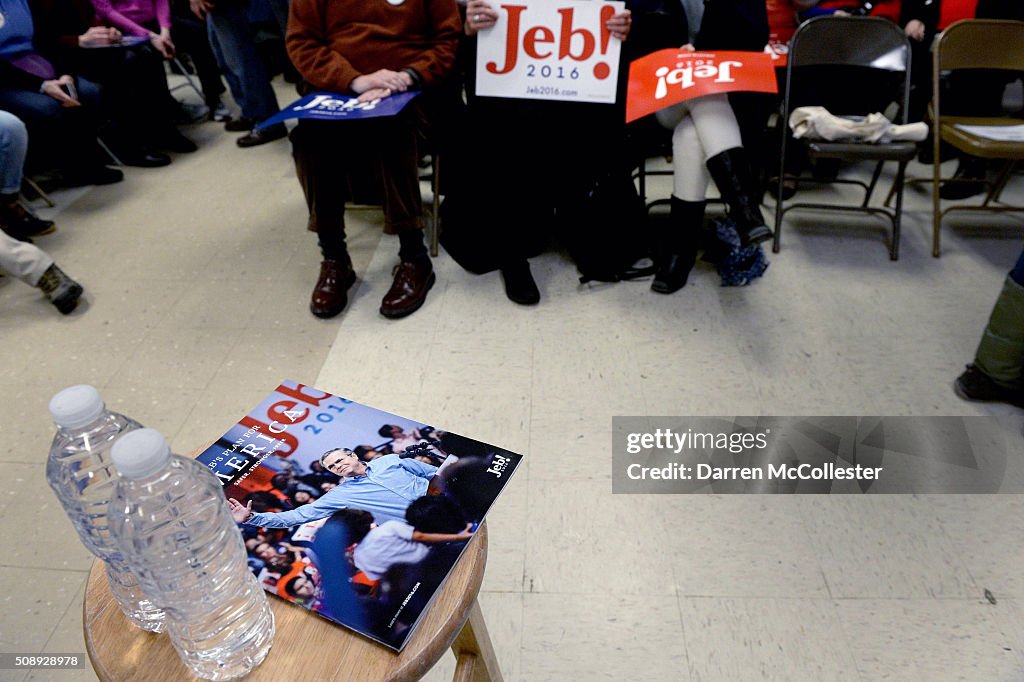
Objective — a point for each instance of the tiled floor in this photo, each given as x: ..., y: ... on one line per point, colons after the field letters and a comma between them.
x: 198, y: 278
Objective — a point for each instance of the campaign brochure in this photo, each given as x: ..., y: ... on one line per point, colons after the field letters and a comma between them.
x: 665, y: 77
x: 333, y: 106
x: 354, y: 513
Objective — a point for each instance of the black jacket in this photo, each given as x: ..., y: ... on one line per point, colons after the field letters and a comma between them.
x: 733, y: 25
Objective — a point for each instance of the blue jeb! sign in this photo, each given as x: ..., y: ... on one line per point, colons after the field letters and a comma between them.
x: 331, y: 106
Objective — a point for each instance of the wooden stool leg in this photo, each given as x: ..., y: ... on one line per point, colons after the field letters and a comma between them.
x: 475, y: 659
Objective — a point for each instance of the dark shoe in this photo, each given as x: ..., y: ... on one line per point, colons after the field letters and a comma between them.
x: 62, y: 291
x: 144, y: 158
x: 975, y: 385
x: 972, y: 171
x: 263, y: 135
x: 239, y: 125
x: 330, y: 296
x: 673, y: 273
x: 788, y: 189
x: 678, y: 245
x: 98, y: 175
x: 409, y: 290
x: 732, y: 175
x: 173, y: 141
x: 19, y: 222
x: 519, y: 285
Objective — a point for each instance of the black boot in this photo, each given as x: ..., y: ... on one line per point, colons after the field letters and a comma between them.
x: 678, y: 246
x: 732, y: 175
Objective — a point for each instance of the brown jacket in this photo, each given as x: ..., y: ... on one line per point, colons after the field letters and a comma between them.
x: 331, y: 42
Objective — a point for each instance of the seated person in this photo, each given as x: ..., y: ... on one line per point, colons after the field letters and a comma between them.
x: 132, y: 79
x: 369, y: 51
x: 166, y: 31
x: 706, y: 134
x: 526, y: 164
x: 61, y: 110
x: 18, y: 256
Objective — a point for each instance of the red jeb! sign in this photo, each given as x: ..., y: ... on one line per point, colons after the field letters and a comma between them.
x: 668, y: 76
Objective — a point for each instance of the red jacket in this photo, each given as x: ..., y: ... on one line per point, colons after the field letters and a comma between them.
x: 331, y: 42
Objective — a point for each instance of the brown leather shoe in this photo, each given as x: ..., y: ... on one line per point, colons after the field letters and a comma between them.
x: 330, y: 296
x: 409, y: 290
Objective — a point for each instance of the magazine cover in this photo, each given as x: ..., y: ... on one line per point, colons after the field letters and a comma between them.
x: 354, y: 513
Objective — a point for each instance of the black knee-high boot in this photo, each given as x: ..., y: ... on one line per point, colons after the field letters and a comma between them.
x: 732, y: 175
x: 678, y: 246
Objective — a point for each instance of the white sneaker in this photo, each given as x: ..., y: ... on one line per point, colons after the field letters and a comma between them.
x: 220, y: 113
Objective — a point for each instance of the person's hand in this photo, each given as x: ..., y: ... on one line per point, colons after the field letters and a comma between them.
x: 467, y: 533
x: 619, y: 24
x: 841, y: 13
x: 239, y: 512
x: 53, y: 89
x: 385, y: 79
x: 479, y: 15
x: 914, y: 30
x: 162, y: 43
x: 374, y: 93
x: 688, y: 47
x: 200, y: 8
x: 97, y: 36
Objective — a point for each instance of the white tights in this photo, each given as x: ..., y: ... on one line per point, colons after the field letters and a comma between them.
x: 701, y: 128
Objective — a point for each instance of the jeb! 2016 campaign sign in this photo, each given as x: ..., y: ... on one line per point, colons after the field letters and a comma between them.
x: 550, y: 50
x: 669, y: 76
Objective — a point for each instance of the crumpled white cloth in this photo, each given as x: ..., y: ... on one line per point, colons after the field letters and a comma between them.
x: 816, y: 123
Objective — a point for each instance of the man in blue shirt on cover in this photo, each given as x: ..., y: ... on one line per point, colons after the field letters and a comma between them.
x: 385, y: 487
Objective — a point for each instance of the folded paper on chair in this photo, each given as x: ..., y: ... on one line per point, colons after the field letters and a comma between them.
x: 997, y: 133
x: 817, y: 123
x: 332, y: 106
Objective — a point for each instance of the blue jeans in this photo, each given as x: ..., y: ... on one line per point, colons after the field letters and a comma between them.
x: 67, y: 133
x: 13, y: 145
x: 1017, y: 274
x: 232, y: 42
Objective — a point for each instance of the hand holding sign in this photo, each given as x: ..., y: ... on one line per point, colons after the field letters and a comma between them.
x: 479, y: 15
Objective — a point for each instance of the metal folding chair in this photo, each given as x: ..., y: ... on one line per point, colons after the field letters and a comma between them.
x: 876, y: 45
x: 974, y: 44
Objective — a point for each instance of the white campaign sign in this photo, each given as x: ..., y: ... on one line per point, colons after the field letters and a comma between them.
x: 550, y: 49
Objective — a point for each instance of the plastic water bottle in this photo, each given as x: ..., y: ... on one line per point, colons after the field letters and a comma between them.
x: 171, y: 520
x: 80, y: 472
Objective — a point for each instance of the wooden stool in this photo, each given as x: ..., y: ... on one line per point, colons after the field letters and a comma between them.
x: 306, y: 646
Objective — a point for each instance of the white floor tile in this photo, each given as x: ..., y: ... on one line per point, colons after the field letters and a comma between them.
x: 865, y: 555
x: 765, y: 639
x: 930, y: 640
x: 602, y: 636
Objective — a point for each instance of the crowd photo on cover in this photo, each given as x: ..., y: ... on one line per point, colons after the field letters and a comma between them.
x: 364, y: 533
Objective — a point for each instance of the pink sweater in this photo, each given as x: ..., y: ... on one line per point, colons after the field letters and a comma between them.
x: 127, y: 15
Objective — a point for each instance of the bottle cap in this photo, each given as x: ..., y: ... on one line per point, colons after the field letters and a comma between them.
x: 140, y: 453
x: 76, y: 406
